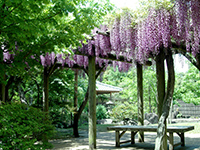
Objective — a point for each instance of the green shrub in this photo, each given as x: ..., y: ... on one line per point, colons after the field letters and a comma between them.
x: 124, y: 111
x: 101, y: 112
x: 22, y: 127
x: 61, y: 117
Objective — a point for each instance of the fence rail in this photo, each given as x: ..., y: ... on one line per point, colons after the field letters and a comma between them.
x: 187, y: 110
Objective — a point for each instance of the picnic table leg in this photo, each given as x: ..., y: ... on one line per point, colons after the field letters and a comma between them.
x: 133, y: 137
x: 182, y: 139
x: 171, y: 141
x: 117, y: 139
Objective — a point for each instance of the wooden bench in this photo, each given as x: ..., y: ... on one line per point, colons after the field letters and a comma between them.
x: 121, y: 130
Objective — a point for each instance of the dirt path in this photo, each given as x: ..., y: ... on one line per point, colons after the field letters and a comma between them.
x: 106, y: 141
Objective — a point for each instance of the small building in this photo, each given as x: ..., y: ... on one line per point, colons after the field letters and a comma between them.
x: 102, y: 88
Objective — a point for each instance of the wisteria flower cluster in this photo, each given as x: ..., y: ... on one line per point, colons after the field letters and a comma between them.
x: 137, y: 42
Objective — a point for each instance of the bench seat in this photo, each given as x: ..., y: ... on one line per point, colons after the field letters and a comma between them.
x: 121, y: 130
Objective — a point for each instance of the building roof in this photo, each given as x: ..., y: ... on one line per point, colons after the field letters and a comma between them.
x: 102, y: 88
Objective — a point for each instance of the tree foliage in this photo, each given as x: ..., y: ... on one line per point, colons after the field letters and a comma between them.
x: 101, y: 112
x: 123, y: 111
x: 187, y: 85
x: 31, y: 28
x: 128, y: 81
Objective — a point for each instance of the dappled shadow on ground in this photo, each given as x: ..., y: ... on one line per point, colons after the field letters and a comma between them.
x: 106, y: 141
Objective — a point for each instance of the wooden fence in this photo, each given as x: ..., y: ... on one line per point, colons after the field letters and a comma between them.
x: 187, y: 110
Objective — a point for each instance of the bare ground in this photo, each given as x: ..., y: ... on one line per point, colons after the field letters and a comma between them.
x: 106, y: 141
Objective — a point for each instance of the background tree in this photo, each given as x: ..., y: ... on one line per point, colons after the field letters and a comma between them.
x: 187, y: 85
x: 31, y: 28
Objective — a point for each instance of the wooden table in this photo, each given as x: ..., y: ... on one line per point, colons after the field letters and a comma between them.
x: 121, y: 130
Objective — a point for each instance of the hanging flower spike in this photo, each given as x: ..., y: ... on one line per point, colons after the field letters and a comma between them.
x: 80, y: 60
x: 120, y: 66
x: 114, y: 37
x: 174, y: 28
x: 75, y: 59
x: 5, y: 56
x: 195, y: 13
x: 182, y: 17
x: 32, y: 57
x: 42, y: 58
x: 102, y: 43
x: 85, y: 63
x: 114, y: 65
x: 48, y: 59
x: 105, y: 42
x: 67, y: 61
x: 97, y: 44
x: 122, y: 31
x: 53, y: 57
x: 27, y: 64
x: 59, y: 58
x: 166, y: 28
x: 90, y: 52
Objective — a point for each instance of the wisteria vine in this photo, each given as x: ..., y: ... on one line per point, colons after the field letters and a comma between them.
x: 137, y: 42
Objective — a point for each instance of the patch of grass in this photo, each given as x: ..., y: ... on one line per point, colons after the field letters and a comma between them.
x: 63, y: 133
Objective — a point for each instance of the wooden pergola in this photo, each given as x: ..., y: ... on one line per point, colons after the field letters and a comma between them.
x: 92, y: 75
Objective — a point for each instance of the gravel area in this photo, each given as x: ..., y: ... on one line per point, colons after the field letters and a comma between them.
x: 106, y: 141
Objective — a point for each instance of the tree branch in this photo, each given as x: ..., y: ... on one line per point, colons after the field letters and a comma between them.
x: 103, y: 33
x: 100, y: 70
x: 190, y: 58
x: 182, y: 50
x: 12, y: 10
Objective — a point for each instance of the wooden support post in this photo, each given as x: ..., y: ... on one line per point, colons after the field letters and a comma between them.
x: 133, y: 137
x: 92, y: 102
x: 182, y: 139
x: 140, y: 100
x: 160, y: 73
x: 171, y: 141
x: 117, y: 139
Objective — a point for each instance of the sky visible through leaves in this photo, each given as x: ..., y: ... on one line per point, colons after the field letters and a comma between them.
x: 126, y: 3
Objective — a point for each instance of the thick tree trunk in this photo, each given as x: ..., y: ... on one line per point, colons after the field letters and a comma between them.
x: 1, y: 93
x: 46, y: 90
x: 197, y: 57
x: 160, y: 75
x: 75, y: 126
x: 22, y: 94
x: 39, y: 102
x: 161, y: 132
x: 3, y: 89
x: 10, y: 81
x: 7, y: 94
x: 46, y: 99
x: 140, y: 100
x: 92, y: 102
x: 149, y: 93
x: 81, y: 108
